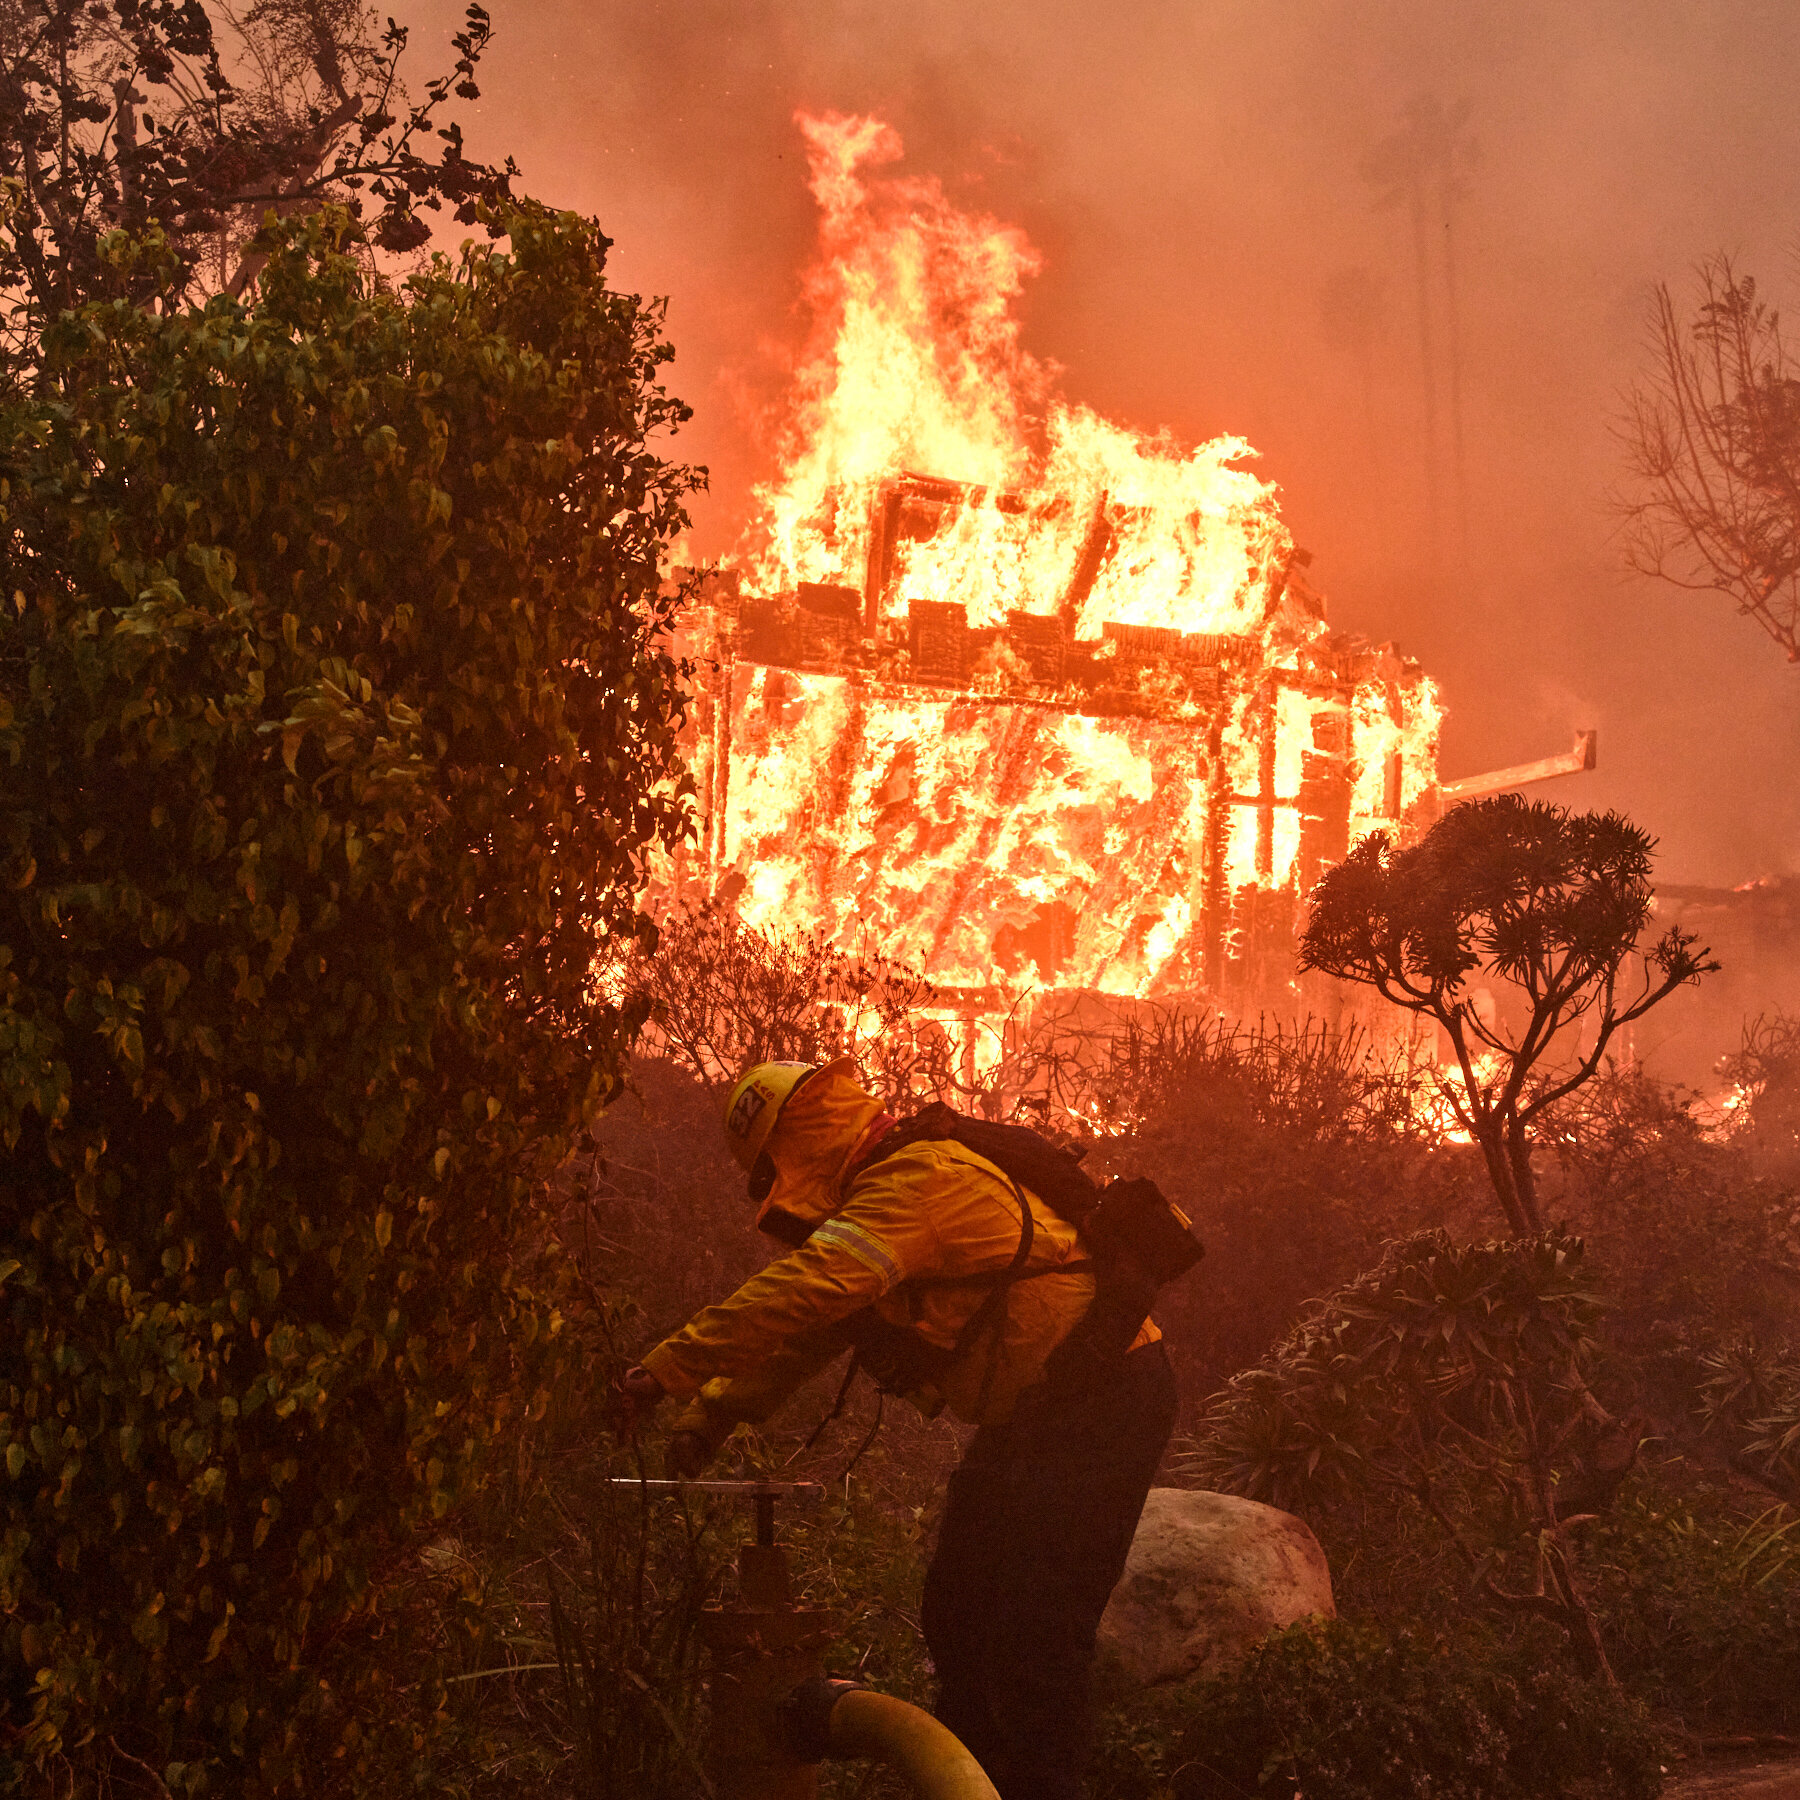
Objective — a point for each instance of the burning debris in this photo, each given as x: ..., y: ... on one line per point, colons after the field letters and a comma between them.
x: 1032, y: 700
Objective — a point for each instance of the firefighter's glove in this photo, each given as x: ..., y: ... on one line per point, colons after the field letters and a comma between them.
x: 688, y: 1455
x: 633, y: 1399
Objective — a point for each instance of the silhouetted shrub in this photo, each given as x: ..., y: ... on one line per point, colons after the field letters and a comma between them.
x: 1765, y: 1074
x: 1452, y: 1378
x: 1698, y: 1248
x: 1297, y: 1151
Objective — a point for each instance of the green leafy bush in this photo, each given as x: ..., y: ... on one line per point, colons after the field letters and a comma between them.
x: 335, y: 722
x: 1453, y: 1379
x: 1337, y: 1711
x: 1750, y: 1401
x: 563, y: 1650
x: 1347, y: 1712
x: 1701, y: 1602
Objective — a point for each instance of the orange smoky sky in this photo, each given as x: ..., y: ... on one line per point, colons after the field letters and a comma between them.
x: 1229, y: 244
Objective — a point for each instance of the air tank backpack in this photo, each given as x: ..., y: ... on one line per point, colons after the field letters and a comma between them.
x: 1137, y: 1242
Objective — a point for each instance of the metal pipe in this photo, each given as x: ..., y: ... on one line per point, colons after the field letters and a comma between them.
x: 773, y: 1719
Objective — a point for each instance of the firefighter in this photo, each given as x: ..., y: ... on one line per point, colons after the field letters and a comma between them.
x: 954, y: 1284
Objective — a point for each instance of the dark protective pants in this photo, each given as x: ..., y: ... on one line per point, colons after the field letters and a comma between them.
x: 1037, y: 1523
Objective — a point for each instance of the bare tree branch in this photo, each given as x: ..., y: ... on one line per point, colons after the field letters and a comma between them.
x: 1712, y: 438
x: 197, y: 120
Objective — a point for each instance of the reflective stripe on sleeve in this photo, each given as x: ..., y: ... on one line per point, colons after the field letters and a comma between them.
x: 865, y: 1246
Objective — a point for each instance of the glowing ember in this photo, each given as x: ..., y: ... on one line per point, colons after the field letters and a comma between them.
x: 1034, y: 705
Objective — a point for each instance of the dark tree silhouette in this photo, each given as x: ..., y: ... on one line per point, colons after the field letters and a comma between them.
x: 201, y: 119
x: 1546, y: 904
x: 1713, y: 439
x: 1421, y: 167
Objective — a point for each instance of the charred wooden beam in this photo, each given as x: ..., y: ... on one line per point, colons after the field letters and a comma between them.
x: 1265, y: 782
x: 830, y: 600
x: 1095, y: 548
x: 1213, y: 891
x: 1295, y: 559
x: 884, y: 522
x: 889, y: 525
x: 937, y: 639
x: 1499, y: 781
x: 719, y: 798
x: 939, y: 490
x: 1324, y: 799
x: 1040, y: 640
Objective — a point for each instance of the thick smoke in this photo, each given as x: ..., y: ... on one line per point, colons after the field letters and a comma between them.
x: 1238, y: 208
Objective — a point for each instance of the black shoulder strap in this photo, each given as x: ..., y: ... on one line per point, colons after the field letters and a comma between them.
x: 1026, y: 1157
x: 979, y: 1320
x: 929, y: 1125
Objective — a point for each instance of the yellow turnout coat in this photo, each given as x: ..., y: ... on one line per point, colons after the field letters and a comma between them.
x: 895, y: 1237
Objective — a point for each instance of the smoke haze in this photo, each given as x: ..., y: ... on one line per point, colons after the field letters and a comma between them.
x: 1205, y: 183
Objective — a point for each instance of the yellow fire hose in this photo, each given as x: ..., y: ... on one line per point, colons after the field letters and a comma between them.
x: 772, y: 1721
x: 840, y: 1719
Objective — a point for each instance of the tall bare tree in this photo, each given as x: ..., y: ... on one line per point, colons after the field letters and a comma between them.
x: 201, y: 116
x: 1712, y: 436
x: 1422, y: 167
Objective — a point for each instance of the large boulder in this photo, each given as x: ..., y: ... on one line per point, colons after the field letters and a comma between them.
x: 1208, y: 1577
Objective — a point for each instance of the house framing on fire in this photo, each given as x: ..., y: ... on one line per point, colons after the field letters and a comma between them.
x: 1072, y: 722
x: 1049, y: 799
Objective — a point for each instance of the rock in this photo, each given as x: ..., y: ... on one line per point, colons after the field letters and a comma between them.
x: 1208, y: 1577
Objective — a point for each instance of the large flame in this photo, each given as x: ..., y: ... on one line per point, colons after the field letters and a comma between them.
x: 914, y: 359
x: 1035, y: 699
x: 915, y: 364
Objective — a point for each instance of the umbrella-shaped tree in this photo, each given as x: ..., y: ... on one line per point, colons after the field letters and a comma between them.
x: 1547, y: 906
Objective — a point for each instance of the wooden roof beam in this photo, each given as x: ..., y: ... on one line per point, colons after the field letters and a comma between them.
x: 1499, y: 781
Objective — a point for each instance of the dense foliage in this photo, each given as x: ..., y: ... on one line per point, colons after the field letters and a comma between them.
x: 1338, y: 1711
x: 1544, y: 904
x: 1751, y: 1400
x: 1700, y: 1596
x: 1454, y: 1378
x: 335, y: 723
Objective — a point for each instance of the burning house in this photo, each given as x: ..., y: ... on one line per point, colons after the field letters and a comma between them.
x: 1041, y: 795
x: 1022, y: 697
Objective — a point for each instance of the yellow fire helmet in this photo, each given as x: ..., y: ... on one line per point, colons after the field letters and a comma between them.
x: 754, y: 1106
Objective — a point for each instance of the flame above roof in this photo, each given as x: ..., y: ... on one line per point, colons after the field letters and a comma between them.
x: 1026, y: 705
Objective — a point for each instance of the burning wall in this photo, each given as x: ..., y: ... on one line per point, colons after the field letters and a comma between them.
x: 1031, y: 700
